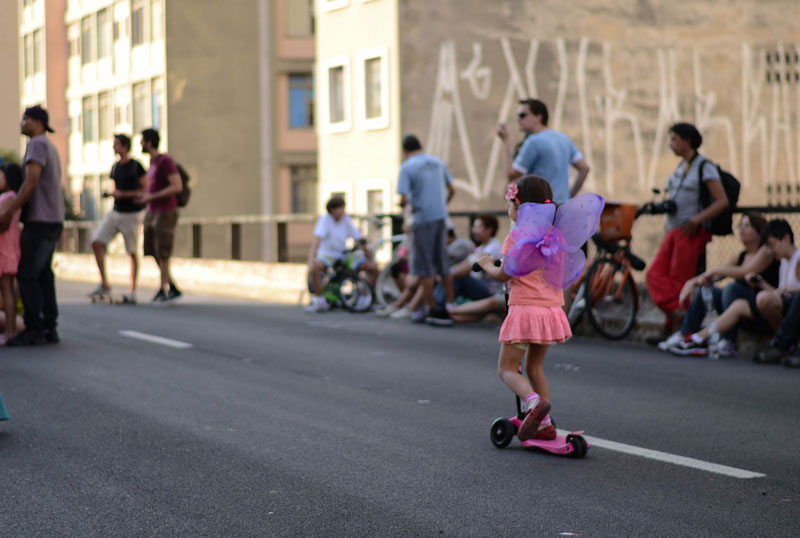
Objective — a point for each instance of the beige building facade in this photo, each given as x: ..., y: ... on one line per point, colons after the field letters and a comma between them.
x: 9, y: 89
x: 615, y: 79
x: 228, y: 85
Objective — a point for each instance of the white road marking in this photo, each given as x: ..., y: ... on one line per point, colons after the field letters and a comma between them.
x: 669, y: 458
x: 155, y: 339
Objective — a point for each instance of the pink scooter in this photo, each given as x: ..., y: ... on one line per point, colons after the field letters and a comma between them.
x: 505, y: 429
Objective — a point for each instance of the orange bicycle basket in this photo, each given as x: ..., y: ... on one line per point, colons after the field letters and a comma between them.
x: 616, y: 221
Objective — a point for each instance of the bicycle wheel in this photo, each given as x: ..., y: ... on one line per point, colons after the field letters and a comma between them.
x: 611, y: 300
x: 578, y: 307
x: 386, y: 290
x: 356, y: 294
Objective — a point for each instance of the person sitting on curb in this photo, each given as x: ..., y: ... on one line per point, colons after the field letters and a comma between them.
x: 755, y: 258
x: 771, y: 303
x: 781, y: 306
x: 329, y: 246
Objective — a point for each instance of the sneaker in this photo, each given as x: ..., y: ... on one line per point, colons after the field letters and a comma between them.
x: 530, y: 426
x: 727, y: 348
x: 546, y: 433
x: 387, y: 310
x: 402, y: 313
x: 27, y: 338
x: 419, y: 316
x: 771, y: 354
x: 690, y: 348
x: 174, y: 293
x: 439, y: 317
x: 318, y: 304
x: 674, y: 339
x: 100, y: 291
x: 792, y: 360
x: 51, y: 336
x: 128, y: 299
x: 159, y: 298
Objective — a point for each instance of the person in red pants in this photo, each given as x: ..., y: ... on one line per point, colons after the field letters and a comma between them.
x: 687, y: 226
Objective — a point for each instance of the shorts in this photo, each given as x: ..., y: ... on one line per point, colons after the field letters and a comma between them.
x: 125, y: 223
x: 429, y: 249
x: 351, y: 260
x: 159, y: 233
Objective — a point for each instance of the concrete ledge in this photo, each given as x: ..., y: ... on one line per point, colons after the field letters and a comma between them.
x: 282, y: 283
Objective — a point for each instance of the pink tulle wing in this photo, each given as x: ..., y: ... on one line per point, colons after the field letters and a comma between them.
x: 579, y: 218
x: 523, y: 258
x: 564, y: 268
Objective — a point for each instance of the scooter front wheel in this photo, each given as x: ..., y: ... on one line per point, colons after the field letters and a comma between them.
x: 579, y: 446
x: 502, y: 432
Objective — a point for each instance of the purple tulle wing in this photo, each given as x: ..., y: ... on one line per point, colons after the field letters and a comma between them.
x: 523, y: 258
x: 579, y: 218
x: 533, y: 221
x: 564, y: 268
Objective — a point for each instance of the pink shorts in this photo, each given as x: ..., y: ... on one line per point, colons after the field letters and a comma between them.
x: 8, y: 265
x: 529, y: 324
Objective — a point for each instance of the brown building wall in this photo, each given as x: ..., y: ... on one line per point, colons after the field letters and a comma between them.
x: 213, y: 112
x: 56, y: 53
x: 615, y: 76
x: 9, y: 89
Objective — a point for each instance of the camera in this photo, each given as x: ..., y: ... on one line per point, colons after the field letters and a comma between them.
x: 659, y: 208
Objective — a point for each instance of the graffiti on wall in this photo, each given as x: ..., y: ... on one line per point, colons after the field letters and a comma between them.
x: 754, y: 125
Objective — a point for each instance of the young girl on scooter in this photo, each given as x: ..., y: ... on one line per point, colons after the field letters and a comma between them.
x: 541, y: 259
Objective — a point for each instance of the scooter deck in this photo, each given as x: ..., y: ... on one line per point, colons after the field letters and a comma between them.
x: 560, y: 445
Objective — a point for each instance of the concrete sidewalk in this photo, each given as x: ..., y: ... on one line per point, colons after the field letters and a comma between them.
x: 281, y: 283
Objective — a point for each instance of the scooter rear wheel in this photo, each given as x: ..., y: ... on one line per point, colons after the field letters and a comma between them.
x: 579, y: 446
x: 502, y: 432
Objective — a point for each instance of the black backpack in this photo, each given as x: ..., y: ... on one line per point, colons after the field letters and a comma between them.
x: 722, y: 224
x: 183, y: 196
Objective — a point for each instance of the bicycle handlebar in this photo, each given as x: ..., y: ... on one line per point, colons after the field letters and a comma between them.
x: 477, y: 268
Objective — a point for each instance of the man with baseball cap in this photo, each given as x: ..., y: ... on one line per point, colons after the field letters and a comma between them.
x: 44, y: 219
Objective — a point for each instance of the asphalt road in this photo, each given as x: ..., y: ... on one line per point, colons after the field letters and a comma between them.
x: 281, y: 423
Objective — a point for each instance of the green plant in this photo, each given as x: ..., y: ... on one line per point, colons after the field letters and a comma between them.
x: 9, y: 155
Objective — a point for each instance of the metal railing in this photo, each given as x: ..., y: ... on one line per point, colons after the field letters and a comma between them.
x: 230, y: 237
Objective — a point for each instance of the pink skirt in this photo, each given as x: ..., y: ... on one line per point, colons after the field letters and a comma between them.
x: 8, y: 264
x: 529, y: 324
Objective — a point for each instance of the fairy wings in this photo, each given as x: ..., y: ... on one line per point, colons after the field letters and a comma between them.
x: 550, y: 238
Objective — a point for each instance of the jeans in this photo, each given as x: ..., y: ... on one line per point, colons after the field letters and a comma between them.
x: 790, y: 325
x: 473, y: 289
x: 37, y: 284
x: 723, y: 298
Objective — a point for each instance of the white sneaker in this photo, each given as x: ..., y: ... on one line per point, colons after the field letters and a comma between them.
x: 318, y: 304
x: 387, y: 310
x: 674, y: 339
x: 403, y: 313
x: 727, y: 348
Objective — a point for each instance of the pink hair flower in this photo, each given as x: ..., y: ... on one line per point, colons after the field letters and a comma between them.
x: 512, y: 192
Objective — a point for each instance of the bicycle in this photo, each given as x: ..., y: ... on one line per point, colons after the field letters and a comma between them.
x: 607, y: 291
x: 342, y: 285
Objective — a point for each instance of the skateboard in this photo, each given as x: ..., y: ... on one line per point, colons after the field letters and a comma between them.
x: 107, y: 298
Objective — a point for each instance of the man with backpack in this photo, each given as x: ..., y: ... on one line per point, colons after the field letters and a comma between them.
x: 699, y: 197
x: 161, y: 217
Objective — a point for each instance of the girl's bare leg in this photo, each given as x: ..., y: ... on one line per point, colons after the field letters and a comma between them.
x: 534, y: 367
x: 508, y: 370
x: 9, y: 304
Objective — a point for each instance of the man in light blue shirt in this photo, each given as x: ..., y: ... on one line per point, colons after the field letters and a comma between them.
x: 426, y: 183
x: 545, y: 152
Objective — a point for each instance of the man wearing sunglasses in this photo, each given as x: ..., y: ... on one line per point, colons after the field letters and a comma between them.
x: 545, y: 152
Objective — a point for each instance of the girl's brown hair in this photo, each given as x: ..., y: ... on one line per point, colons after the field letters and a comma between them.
x: 535, y: 189
x: 757, y: 220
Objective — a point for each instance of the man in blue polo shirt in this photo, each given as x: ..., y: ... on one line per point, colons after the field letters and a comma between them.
x: 545, y: 152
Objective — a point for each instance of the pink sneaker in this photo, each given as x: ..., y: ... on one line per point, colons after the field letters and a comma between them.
x: 546, y: 433
x: 530, y: 426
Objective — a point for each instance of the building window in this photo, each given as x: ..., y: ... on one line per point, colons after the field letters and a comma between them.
x: 336, y: 94
x: 301, y: 101
x: 27, y: 55
x: 373, y: 93
x: 157, y: 108
x: 89, y: 134
x: 89, y: 197
x: 87, y: 40
x: 304, y: 188
x: 141, y: 112
x: 374, y: 207
x: 137, y: 22
x: 38, y: 52
x: 299, y: 18
x: 104, y: 120
x: 156, y: 20
x: 104, y: 33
